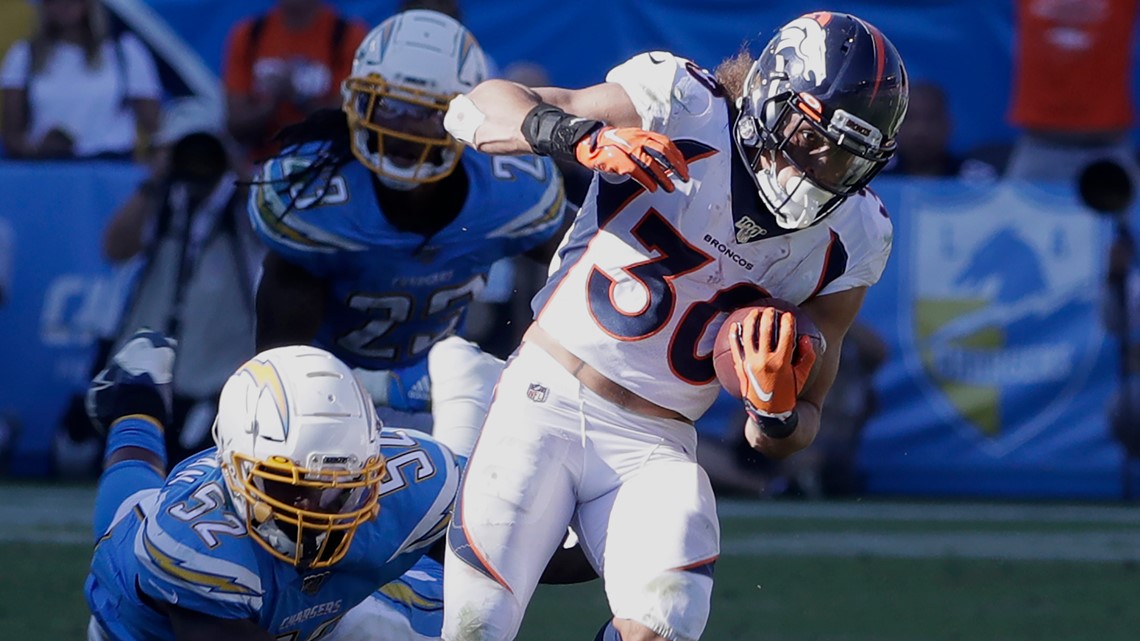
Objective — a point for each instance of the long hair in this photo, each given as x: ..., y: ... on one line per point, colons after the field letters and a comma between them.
x: 731, y: 72
x: 329, y: 128
x: 95, y: 31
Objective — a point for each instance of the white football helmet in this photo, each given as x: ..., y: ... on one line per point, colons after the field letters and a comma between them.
x: 299, y: 447
x: 404, y: 75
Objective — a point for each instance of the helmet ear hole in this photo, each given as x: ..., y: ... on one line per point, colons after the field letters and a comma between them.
x: 747, y: 131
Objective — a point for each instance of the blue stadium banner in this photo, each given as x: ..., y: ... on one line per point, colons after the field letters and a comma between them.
x: 60, y: 293
x: 1000, y: 368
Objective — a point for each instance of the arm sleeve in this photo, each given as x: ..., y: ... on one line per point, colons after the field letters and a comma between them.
x: 237, y: 68
x: 142, y: 72
x: 14, y: 73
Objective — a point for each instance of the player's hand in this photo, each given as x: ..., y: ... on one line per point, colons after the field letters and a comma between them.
x: 137, y: 380
x: 645, y: 156
x: 771, y: 367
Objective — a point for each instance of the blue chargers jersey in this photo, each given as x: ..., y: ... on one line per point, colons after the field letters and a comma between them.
x: 418, y: 597
x: 409, y: 608
x: 186, y: 546
x: 393, y: 293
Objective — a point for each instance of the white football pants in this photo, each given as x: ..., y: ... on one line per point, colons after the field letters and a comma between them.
x: 554, y: 453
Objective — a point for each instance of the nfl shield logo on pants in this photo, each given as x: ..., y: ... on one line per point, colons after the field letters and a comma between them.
x: 536, y: 392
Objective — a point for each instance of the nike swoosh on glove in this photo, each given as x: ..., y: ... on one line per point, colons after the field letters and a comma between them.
x: 137, y: 380
x: 772, y: 373
x: 645, y: 156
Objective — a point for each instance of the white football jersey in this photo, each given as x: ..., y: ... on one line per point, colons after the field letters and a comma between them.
x: 644, y: 280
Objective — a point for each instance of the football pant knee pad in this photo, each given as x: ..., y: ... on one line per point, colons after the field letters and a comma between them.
x: 674, y: 604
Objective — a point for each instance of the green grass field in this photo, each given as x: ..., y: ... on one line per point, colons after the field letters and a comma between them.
x: 867, y: 571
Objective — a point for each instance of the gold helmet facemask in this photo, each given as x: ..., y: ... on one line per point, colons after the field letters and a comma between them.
x: 305, y: 516
x: 397, y: 131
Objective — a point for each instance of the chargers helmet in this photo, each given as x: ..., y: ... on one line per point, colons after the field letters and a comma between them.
x: 819, y: 113
x: 405, y: 73
x: 299, y: 448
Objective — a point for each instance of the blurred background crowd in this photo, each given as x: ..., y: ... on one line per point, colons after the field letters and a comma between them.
x: 997, y: 357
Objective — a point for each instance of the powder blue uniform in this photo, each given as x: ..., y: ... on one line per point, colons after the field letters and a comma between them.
x: 407, y: 609
x: 183, y: 544
x: 394, y: 293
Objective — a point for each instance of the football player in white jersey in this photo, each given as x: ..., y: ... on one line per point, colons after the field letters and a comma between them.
x: 713, y: 192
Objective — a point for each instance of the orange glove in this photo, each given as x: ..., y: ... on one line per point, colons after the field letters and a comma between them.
x: 771, y: 378
x: 644, y: 156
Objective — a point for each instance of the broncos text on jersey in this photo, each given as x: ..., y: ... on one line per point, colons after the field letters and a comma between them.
x: 657, y: 273
x: 395, y: 293
x: 185, y: 546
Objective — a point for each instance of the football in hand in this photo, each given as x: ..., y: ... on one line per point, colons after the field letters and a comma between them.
x: 722, y: 349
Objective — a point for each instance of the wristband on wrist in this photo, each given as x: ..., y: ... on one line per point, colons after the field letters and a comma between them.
x: 552, y: 132
x: 774, y: 427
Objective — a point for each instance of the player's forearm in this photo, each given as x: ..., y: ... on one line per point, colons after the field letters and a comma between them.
x: 490, y: 117
x: 780, y: 448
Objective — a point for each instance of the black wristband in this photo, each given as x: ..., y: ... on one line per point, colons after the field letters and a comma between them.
x: 553, y: 132
x: 773, y: 427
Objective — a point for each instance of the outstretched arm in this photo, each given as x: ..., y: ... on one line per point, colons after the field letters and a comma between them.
x: 498, y: 107
x: 596, y: 127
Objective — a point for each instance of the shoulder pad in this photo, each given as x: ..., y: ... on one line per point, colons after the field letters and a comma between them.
x: 662, y: 85
x: 417, y: 461
x: 864, y: 226
x: 289, y: 199
x: 534, y: 210
x: 194, y: 552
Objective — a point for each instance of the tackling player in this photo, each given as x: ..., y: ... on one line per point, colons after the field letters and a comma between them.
x: 304, y: 507
x: 717, y: 191
x: 381, y: 230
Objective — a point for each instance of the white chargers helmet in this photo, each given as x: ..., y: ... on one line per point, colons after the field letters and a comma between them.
x: 299, y: 447
x: 404, y: 75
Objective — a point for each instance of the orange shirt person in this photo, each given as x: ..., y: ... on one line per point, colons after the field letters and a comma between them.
x: 283, y: 65
x: 1059, y: 43
x: 1065, y: 122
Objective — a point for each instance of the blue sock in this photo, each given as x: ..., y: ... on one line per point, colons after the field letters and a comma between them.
x: 608, y: 632
x: 126, y: 478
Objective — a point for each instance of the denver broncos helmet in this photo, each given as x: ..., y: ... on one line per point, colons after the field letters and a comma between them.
x: 819, y: 113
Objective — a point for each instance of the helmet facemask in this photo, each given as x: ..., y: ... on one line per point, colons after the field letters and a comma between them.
x: 306, y: 516
x: 804, y: 161
x: 397, y: 132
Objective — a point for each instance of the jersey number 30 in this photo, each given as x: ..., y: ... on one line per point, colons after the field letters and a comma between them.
x: 674, y: 258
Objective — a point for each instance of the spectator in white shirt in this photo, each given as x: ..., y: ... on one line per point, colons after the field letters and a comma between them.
x: 73, y: 91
